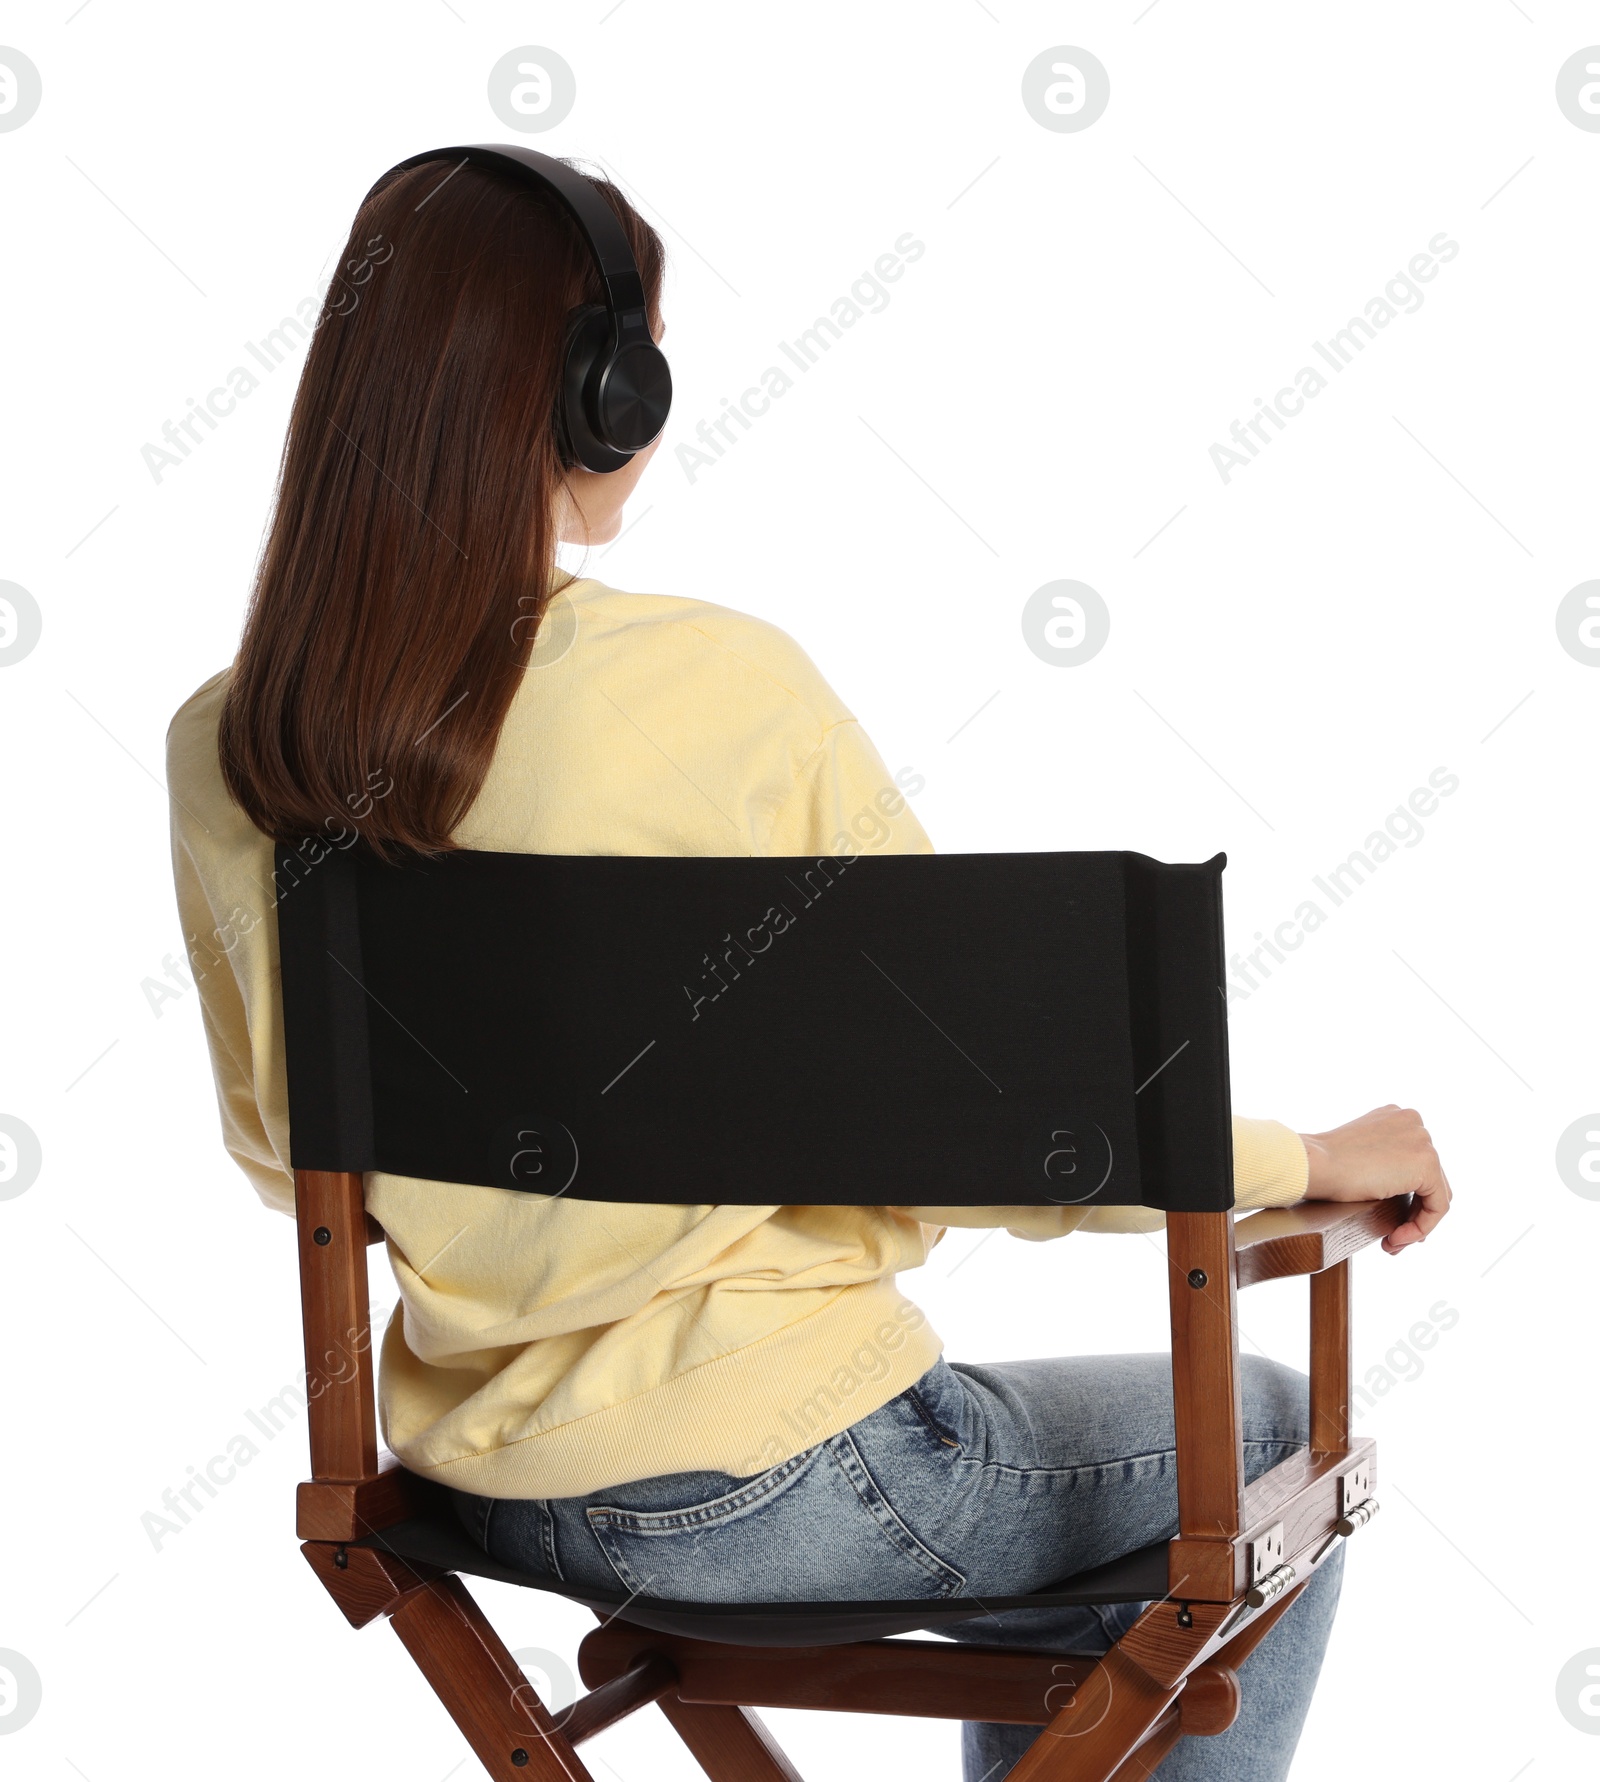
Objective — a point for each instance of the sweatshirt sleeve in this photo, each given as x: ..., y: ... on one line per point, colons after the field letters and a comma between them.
x: 1270, y: 1166
x: 230, y: 941
x: 1269, y: 1170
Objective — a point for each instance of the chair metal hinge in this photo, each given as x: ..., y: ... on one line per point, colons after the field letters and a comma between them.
x: 1355, y: 1486
x: 1359, y: 1517
x: 1266, y: 1552
x: 1348, y: 1523
x: 1272, y: 1585
x: 1357, y: 1507
x: 1267, y: 1588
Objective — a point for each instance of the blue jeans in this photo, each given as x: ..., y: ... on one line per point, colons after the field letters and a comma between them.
x: 978, y: 1480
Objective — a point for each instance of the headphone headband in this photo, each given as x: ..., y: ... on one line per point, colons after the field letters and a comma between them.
x: 613, y: 257
x: 616, y: 389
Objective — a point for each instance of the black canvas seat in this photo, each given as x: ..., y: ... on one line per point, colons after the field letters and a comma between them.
x: 435, y: 1538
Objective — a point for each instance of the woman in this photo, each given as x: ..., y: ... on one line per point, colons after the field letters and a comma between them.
x: 648, y: 1395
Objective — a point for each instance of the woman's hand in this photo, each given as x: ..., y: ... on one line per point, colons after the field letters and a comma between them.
x: 1384, y: 1153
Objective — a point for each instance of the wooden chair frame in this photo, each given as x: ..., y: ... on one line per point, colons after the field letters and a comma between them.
x: 1241, y: 1556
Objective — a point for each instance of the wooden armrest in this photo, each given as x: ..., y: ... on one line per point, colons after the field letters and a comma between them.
x: 1313, y: 1235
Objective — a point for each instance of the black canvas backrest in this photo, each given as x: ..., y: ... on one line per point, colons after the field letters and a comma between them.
x: 956, y: 1029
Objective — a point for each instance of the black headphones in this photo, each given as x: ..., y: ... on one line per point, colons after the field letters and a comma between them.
x: 615, y: 387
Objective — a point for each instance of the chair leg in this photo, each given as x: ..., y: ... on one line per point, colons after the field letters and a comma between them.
x: 1141, y: 1764
x: 729, y: 1744
x: 1098, y: 1731
x: 482, y: 1688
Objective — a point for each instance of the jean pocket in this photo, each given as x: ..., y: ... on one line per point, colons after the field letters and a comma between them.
x: 940, y: 1404
x: 815, y: 1529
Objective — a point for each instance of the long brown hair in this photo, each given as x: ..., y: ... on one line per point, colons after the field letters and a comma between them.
x: 411, y: 552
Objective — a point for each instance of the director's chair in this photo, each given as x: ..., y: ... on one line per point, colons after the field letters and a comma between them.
x: 944, y: 1030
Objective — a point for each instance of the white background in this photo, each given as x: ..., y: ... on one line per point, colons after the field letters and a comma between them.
x: 1300, y: 647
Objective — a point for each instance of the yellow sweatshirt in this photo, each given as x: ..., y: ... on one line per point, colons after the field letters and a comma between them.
x: 551, y: 1347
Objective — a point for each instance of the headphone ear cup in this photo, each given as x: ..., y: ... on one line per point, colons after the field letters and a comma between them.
x: 588, y: 352
x: 634, y: 396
